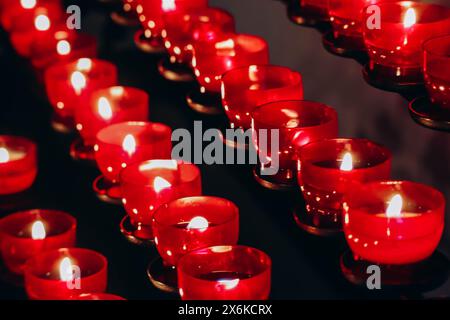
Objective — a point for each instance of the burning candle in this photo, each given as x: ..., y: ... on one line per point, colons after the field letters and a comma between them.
x: 121, y: 144
x: 18, y: 164
x: 28, y: 233
x: 65, y: 273
x: 437, y: 70
x: 225, y: 273
x: 298, y: 122
x: 393, y: 222
x: 329, y: 168
x: 151, y: 14
x: 106, y: 107
x: 395, y: 50
x: 62, y: 45
x: 35, y: 25
x: 188, y: 224
x: 69, y: 84
x: 161, y: 181
x: 247, y: 87
x: 182, y: 29
x: 212, y: 59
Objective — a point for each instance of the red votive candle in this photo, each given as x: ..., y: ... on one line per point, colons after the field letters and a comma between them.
x: 298, y: 122
x: 18, y: 164
x: 121, y: 144
x: 437, y: 70
x: 62, y: 45
x: 395, y: 50
x: 183, y: 29
x: 247, y: 87
x: 69, y: 84
x: 393, y: 222
x: 13, y: 11
x: 28, y: 233
x: 327, y: 170
x: 161, y: 181
x: 212, y: 59
x: 151, y: 14
x: 35, y: 26
x: 64, y: 273
x: 192, y: 223
x: 225, y: 273
x: 109, y: 106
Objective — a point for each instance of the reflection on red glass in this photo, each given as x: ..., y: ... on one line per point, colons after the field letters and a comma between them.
x: 329, y: 168
x: 109, y: 106
x: 148, y: 185
x: 98, y: 296
x: 437, y: 70
x: 18, y: 164
x: 64, y: 273
x: 68, y: 84
x: 121, y: 144
x: 225, y: 273
x: 212, y: 59
x: 245, y: 88
x: 395, y: 222
x: 183, y: 29
x: 28, y: 233
x: 192, y: 223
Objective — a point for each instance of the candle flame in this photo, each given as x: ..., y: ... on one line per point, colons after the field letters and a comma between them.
x: 4, y: 155
x: 394, y: 209
x: 38, y: 231
x: 28, y: 4
x: 198, y: 223
x: 84, y: 64
x: 410, y: 18
x: 159, y: 184
x: 63, y: 47
x: 159, y: 164
x: 65, y: 270
x: 42, y: 22
x: 129, y: 144
x: 78, y: 81
x: 347, y: 162
x: 104, y: 108
x: 168, y: 5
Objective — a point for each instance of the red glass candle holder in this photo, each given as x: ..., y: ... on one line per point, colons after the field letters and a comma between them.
x: 22, y: 11
x: 28, y: 233
x: 62, y: 45
x: 69, y: 84
x: 98, y: 296
x: 64, y: 273
x: 188, y: 224
x: 328, y: 169
x: 182, y: 30
x: 106, y: 107
x: 434, y: 111
x: 160, y: 181
x: 225, y: 273
x: 35, y: 26
x: 212, y: 59
x: 396, y: 224
x: 308, y: 12
x: 151, y: 14
x: 18, y: 164
x: 245, y: 88
x: 395, y: 50
x: 122, y: 144
x: 293, y: 124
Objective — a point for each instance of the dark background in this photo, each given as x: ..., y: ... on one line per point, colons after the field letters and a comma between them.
x: 304, y: 267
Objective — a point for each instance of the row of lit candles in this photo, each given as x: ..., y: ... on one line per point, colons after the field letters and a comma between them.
x: 324, y: 176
